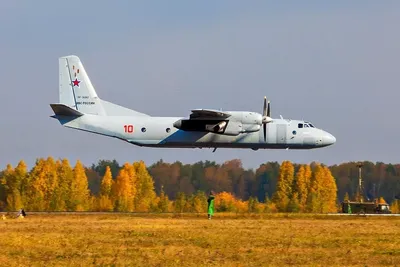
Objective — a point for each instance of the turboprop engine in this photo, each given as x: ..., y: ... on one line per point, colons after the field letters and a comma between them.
x: 234, y: 122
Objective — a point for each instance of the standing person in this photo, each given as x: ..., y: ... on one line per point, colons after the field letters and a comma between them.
x: 210, y: 202
x: 21, y: 213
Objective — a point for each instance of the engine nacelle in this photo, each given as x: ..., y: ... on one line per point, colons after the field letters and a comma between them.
x: 249, y: 128
x: 233, y: 128
x: 219, y: 128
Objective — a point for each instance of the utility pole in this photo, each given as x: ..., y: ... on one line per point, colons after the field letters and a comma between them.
x: 360, y: 193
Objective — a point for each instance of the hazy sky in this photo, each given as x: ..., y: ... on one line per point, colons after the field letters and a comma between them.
x: 336, y: 64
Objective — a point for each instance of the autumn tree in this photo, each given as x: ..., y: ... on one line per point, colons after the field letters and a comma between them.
x: 63, y: 190
x: 329, y: 192
x: 265, y: 181
x: 122, y: 190
x: 3, y: 196
x: 253, y: 205
x: 395, y: 207
x: 323, y: 191
x: 225, y: 201
x: 313, y: 201
x: 200, y: 202
x: 102, y: 165
x: 284, y: 186
x: 180, y: 202
x: 104, y: 201
x: 294, y: 204
x: 37, y: 188
x: 79, y: 193
x: 52, y: 183
x: 163, y: 201
x: 145, y: 193
x: 11, y: 181
x: 302, y: 186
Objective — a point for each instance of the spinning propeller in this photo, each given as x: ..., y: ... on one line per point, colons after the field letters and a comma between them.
x: 266, y: 117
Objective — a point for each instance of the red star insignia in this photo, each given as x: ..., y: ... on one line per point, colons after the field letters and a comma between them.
x: 76, y: 82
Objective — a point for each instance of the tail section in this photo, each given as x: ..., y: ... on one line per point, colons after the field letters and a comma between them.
x: 77, y: 92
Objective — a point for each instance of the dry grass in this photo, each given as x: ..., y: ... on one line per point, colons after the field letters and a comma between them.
x: 189, y: 240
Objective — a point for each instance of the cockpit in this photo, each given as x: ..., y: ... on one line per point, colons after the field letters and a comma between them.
x: 305, y: 124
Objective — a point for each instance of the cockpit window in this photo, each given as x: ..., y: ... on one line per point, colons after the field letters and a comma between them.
x: 305, y: 125
x: 309, y: 124
x: 300, y: 125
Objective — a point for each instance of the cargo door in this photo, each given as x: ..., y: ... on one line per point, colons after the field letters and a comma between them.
x: 281, y: 133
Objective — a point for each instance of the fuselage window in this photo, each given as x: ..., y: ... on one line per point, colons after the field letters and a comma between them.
x: 294, y: 132
x: 168, y: 130
x: 300, y: 125
x: 143, y: 129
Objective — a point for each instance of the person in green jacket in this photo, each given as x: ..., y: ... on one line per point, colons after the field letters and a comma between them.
x: 210, y: 202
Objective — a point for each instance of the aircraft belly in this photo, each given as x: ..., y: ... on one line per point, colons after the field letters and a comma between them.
x: 206, y: 139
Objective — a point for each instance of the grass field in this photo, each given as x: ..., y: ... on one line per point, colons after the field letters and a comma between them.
x: 191, y: 240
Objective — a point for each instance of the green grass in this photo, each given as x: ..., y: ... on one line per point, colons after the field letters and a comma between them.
x: 192, y: 240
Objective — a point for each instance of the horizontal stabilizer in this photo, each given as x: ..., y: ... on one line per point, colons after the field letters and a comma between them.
x: 64, y: 110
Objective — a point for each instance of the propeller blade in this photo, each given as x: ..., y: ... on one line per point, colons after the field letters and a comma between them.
x: 265, y: 131
x: 269, y: 110
x: 265, y: 107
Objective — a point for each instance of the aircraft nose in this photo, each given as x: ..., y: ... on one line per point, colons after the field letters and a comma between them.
x: 328, y: 139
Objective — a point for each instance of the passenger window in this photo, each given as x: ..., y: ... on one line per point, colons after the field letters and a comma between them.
x: 300, y: 125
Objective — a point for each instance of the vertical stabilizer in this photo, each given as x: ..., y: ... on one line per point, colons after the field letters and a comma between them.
x: 76, y: 90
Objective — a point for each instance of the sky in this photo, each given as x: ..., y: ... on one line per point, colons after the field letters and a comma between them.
x: 333, y: 63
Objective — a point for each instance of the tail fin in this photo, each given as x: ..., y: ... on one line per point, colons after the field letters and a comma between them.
x: 76, y: 90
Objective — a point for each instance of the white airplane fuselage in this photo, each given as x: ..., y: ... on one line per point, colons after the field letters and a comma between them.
x: 160, y: 132
x: 80, y: 108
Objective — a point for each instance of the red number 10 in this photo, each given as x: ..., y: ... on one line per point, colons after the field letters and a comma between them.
x: 128, y: 128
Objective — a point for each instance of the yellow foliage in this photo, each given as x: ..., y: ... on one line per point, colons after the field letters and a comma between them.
x: 270, y: 207
x: 302, y: 185
x: 241, y: 206
x: 104, y: 203
x: 106, y: 183
x: 395, y: 207
x: 284, y: 187
x: 382, y: 200
x: 145, y: 193
x: 122, y: 191
x: 323, y: 192
x: 79, y: 189
x: 225, y: 201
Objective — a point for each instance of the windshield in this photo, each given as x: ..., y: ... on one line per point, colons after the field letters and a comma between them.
x: 309, y: 124
x: 305, y: 125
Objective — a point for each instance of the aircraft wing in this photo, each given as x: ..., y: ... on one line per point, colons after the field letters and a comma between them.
x: 208, y: 114
x: 204, y: 120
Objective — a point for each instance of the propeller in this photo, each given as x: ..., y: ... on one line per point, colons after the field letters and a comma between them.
x: 266, y: 116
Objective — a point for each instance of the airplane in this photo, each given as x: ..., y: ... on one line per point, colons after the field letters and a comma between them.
x: 80, y: 108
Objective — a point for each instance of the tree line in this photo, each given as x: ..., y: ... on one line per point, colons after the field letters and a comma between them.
x: 55, y: 185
